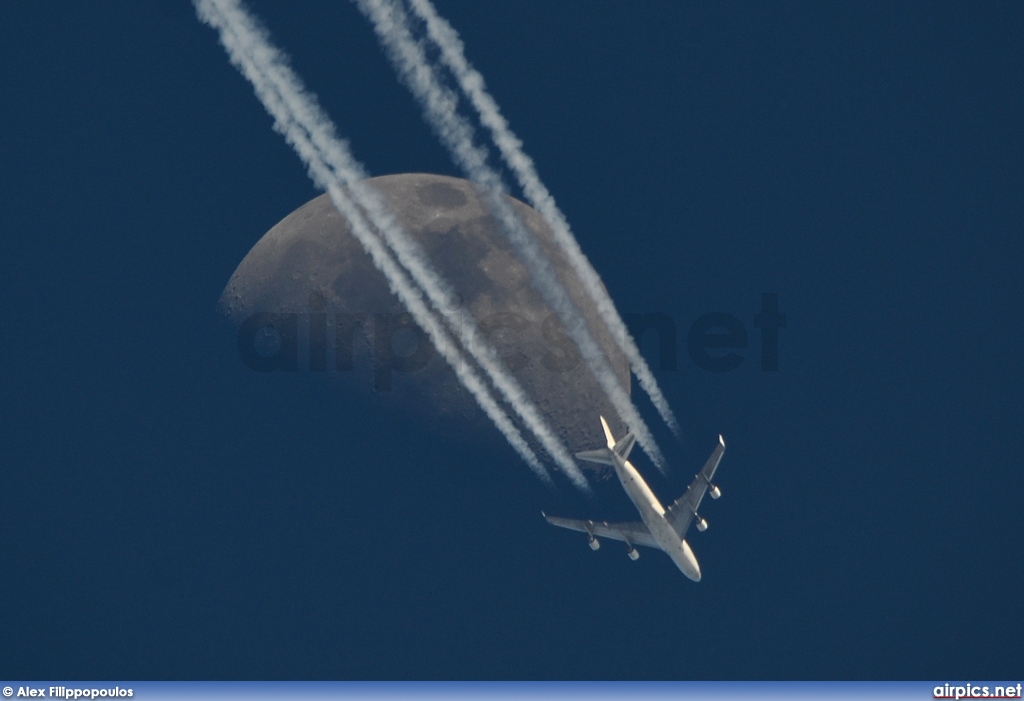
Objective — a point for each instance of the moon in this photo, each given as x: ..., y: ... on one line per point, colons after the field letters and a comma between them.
x: 308, y: 289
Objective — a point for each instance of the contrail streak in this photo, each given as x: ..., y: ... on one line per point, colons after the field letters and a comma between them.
x: 311, y: 133
x: 440, y: 108
x: 472, y: 83
x: 415, y: 260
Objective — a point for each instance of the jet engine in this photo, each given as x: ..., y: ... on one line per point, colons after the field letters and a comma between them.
x: 593, y: 542
x: 702, y: 523
x: 633, y: 554
x: 714, y: 491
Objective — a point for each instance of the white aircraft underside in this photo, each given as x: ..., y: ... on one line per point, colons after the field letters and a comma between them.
x: 660, y: 527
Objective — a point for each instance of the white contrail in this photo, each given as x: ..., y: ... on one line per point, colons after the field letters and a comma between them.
x: 415, y: 260
x: 310, y: 132
x: 440, y: 108
x: 472, y: 83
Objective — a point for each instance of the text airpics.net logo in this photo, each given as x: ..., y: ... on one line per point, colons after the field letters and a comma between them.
x: 977, y: 691
x: 274, y: 341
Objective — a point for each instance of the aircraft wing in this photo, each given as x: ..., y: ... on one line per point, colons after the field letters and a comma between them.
x: 680, y: 513
x: 634, y: 532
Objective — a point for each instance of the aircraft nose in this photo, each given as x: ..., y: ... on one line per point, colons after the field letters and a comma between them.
x: 689, y: 564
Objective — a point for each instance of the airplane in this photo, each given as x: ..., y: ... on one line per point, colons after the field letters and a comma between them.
x: 660, y: 528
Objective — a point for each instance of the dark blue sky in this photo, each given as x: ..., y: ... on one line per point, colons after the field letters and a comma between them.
x: 167, y: 513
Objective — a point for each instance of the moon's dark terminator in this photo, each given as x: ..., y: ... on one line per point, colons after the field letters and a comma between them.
x: 309, y: 277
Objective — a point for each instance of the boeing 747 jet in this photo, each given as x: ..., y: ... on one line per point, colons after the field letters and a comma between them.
x: 660, y: 528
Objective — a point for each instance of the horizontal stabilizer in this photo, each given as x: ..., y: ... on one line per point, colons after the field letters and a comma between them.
x: 625, y: 445
x: 602, y: 456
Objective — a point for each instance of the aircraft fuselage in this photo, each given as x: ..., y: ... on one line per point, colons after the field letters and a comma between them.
x: 653, y: 515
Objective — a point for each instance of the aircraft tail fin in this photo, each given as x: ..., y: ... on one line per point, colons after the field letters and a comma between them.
x: 603, y: 456
x: 608, y: 434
